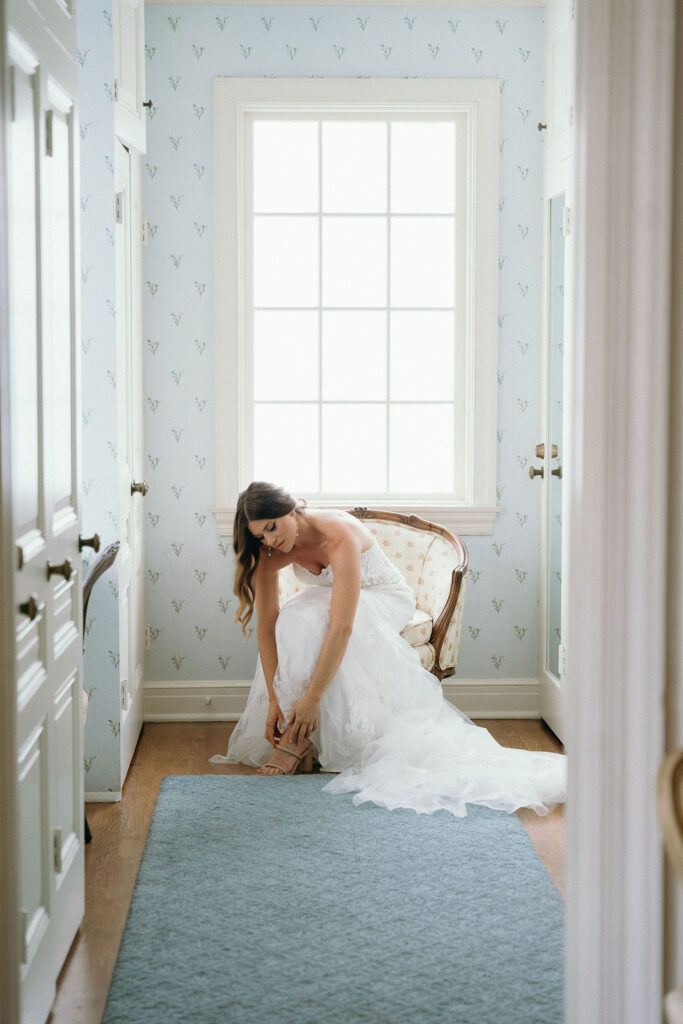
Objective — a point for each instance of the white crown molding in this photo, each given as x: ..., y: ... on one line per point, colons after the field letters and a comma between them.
x: 465, y: 522
x: 224, y: 700
x: 503, y: 4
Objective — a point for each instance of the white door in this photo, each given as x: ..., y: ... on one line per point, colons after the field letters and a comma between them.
x: 131, y: 487
x: 551, y: 452
x: 128, y: 18
x: 45, y: 472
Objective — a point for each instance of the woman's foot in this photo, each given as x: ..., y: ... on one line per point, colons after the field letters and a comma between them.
x: 288, y: 758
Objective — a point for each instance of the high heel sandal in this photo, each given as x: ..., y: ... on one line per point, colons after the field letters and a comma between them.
x: 306, y: 761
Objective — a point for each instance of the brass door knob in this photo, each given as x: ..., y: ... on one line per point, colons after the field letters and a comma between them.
x: 557, y: 472
x: 32, y: 607
x: 540, y: 451
x: 66, y: 569
x: 140, y: 488
x: 89, y: 542
x: 536, y: 472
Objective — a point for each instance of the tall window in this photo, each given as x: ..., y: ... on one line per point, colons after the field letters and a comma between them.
x: 357, y: 238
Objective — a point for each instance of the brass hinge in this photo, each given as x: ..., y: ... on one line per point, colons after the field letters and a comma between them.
x: 116, y: 91
x: 57, y: 850
x: 48, y: 131
x: 119, y: 207
x: 23, y: 928
x: 12, y: 94
x: 144, y: 232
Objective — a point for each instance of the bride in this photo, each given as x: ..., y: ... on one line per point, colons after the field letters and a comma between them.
x: 335, y: 678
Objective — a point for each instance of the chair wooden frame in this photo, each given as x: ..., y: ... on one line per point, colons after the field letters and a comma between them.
x: 440, y: 627
x: 670, y: 807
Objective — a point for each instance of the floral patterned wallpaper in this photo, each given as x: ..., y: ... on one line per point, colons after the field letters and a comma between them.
x: 189, y: 587
x: 189, y: 601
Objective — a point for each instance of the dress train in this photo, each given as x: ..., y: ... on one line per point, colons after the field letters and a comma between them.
x: 384, y: 724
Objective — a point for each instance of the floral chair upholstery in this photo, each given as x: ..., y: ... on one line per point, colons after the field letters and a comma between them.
x: 434, y: 562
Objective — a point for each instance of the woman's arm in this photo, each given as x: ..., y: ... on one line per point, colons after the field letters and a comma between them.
x: 267, y: 605
x: 344, y: 550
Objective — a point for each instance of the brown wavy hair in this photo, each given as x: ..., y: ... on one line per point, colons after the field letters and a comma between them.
x: 260, y: 500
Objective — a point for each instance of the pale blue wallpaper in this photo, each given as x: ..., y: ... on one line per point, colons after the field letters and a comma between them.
x: 189, y: 570
x: 98, y: 345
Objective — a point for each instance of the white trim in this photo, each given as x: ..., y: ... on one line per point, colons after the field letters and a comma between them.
x: 239, y: 99
x: 617, y: 473
x: 101, y: 798
x: 224, y: 701
x: 504, y: 4
x: 475, y: 521
x: 10, y: 937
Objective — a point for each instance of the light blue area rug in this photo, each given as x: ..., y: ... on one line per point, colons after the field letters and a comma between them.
x: 266, y: 900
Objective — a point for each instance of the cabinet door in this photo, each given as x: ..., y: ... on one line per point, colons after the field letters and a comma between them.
x: 129, y: 72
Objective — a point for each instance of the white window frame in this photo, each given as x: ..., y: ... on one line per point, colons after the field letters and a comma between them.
x: 235, y: 100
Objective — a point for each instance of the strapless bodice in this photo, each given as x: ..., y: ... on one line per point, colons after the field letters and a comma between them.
x: 375, y: 570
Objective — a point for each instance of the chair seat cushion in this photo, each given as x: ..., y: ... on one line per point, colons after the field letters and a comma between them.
x: 419, y: 629
x: 427, y: 656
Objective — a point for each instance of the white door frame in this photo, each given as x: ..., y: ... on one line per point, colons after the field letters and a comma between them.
x: 616, y: 617
x: 9, y: 870
x: 616, y: 451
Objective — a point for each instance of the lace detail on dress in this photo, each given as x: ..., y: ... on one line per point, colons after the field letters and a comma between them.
x: 375, y: 569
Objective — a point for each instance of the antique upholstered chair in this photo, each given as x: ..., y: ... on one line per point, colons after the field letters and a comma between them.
x: 97, y: 569
x: 670, y: 813
x: 434, y: 563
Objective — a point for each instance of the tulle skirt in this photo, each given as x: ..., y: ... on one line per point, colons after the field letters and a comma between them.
x: 384, y: 724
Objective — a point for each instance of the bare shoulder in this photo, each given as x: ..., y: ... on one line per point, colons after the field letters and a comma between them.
x: 341, y: 528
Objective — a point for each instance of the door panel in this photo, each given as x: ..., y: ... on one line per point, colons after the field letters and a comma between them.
x: 44, y: 411
x: 67, y: 805
x: 33, y: 835
x: 128, y: 18
x: 552, y: 670
x: 129, y: 445
x: 23, y: 300
x: 59, y: 297
x: 554, y: 438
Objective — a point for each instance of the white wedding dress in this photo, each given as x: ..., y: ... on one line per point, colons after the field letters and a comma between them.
x: 384, y: 723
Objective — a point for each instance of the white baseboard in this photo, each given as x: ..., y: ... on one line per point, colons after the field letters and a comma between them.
x: 208, y: 700
x: 494, y: 698
x: 101, y: 798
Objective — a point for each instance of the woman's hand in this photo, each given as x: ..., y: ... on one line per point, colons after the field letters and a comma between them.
x: 304, y: 718
x: 275, y: 716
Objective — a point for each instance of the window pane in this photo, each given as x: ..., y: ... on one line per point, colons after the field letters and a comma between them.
x: 422, y: 261
x: 422, y: 167
x: 354, y: 355
x: 285, y: 166
x: 354, y: 167
x: 285, y: 356
x: 422, y: 355
x: 286, y: 445
x: 354, y: 448
x: 285, y: 261
x: 354, y: 261
x: 421, y: 448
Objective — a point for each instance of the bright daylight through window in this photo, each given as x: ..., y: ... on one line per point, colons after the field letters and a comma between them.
x: 364, y: 348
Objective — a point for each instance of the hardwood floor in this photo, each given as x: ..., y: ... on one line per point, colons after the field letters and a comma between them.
x: 120, y: 831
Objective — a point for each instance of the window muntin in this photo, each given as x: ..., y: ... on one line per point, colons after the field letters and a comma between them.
x: 356, y: 228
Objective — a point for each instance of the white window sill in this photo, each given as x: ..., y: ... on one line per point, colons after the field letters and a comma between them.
x: 465, y: 521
